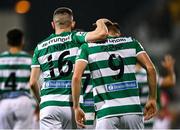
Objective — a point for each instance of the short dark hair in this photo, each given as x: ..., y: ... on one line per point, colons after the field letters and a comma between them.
x: 63, y: 10
x: 14, y: 37
x: 63, y: 17
x: 114, y: 27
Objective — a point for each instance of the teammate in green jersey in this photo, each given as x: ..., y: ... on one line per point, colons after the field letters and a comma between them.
x: 16, y: 105
x: 55, y: 57
x: 112, y: 65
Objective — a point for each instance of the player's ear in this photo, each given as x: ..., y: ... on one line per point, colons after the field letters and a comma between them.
x: 52, y: 24
x: 73, y: 24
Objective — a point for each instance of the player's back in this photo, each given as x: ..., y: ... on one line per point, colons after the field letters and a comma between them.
x: 56, y: 57
x: 112, y: 65
x: 14, y: 71
x: 113, y: 61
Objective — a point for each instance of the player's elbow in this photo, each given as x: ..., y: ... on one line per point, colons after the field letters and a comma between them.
x: 76, y: 78
x: 32, y: 83
x: 151, y: 70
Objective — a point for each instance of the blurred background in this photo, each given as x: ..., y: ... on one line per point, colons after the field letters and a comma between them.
x: 154, y: 23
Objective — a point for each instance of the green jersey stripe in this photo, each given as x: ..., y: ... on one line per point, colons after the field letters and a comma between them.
x: 88, y: 109
x: 89, y: 122
x: 55, y: 103
x: 88, y: 95
x: 143, y: 84
x: 64, y: 91
x: 18, y: 79
x: 6, y: 91
x: 14, y: 67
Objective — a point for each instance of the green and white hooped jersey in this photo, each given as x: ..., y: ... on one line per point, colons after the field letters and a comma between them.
x: 141, y: 77
x: 14, y: 71
x: 112, y: 65
x: 56, y: 56
x: 88, y: 101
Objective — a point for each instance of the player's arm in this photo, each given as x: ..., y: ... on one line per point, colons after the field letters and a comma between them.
x: 150, y: 107
x: 100, y: 33
x: 170, y: 79
x: 35, y: 73
x: 80, y: 65
x: 76, y: 81
x: 76, y: 90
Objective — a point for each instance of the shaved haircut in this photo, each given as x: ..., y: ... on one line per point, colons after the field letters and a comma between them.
x: 63, y: 17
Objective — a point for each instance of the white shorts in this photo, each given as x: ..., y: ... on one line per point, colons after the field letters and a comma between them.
x: 57, y: 117
x: 121, y: 122
x: 16, y: 113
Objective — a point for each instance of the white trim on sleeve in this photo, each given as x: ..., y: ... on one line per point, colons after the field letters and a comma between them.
x: 140, y: 52
x: 34, y: 66
x: 82, y: 60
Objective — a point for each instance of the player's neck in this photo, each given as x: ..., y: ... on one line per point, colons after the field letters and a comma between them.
x: 15, y: 50
x: 59, y: 31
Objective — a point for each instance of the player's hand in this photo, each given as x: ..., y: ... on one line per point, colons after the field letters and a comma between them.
x: 150, y: 109
x: 104, y: 20
x: 79, y: 117
x: 168, y: 63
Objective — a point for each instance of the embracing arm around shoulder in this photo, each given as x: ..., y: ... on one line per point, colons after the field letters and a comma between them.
x: 35, y: 73
x: 100, y: 33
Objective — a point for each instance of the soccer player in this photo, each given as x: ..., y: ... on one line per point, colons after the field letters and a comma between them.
x: 16, y: 106
x: 112, y: 65
x: 167, y: 82
x: 55, y: 57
